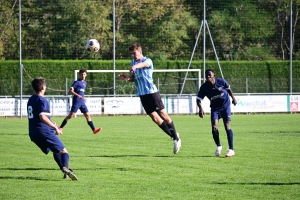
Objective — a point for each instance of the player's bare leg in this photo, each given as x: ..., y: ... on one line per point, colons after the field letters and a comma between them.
x: 91, y: 124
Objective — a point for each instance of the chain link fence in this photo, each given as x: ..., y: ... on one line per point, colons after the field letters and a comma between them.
x: 166, y: 86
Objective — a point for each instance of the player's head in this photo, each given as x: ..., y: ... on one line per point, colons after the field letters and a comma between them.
x: 136, y: 51
x: 83, y: 73
x: 209, y: 74
x: 38, y: 84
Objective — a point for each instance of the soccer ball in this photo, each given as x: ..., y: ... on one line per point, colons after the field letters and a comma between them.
x: 92, y: 45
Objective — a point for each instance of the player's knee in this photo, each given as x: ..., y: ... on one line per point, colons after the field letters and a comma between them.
x: 70, y: 115
x: 214, y: 127
x: 227, y: 126
x: 63, y: 151
x: 87, y: 116
x: 163, y: 114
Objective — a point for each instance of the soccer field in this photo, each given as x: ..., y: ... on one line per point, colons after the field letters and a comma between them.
x: 133, y: 159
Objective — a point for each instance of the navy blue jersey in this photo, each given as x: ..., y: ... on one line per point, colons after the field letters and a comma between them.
x: 36, y: 106
x: 79, y: 87
x: 217, y: 94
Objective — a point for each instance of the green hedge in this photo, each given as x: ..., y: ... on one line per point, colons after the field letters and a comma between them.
x: 269, y: 76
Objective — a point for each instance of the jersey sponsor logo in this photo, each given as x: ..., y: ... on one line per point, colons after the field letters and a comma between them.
x: 115, y: 103
x: 217, y: 96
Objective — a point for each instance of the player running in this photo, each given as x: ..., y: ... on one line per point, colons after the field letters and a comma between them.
x: 217, y: 90
x: 78, y: 102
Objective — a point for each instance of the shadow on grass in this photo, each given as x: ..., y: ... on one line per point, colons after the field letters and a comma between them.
x: 33, y: 169
x: 144, y: 156
x: 267, y: 183
x: 26, y: 177
x: 23, y: 178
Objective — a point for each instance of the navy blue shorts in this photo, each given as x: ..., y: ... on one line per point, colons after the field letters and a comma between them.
x: 48, y: 142
x: 152, y: 102
x: 82, y: 107
x: 224, y: 113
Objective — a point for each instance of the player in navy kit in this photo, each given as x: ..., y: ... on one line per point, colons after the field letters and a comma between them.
x: 141, y: 74
x: 217, y: 90
x: 78, y: 102
x: 42, y: 131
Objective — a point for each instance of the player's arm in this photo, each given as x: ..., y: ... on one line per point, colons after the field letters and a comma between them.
x: 127, y: 78
x: 234, y: 102
x: 71, y: 91
x: 199, y: 104
x: 46, y: 120
x: 139, y: 65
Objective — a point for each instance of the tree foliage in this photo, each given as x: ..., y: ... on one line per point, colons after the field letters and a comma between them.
x: 167, y: 29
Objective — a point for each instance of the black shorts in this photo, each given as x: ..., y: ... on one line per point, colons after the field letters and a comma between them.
x: 152, y: 102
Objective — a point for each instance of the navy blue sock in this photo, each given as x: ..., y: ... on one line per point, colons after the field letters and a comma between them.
x: 215, y: 134
x: 166, y: 129
x: 91, y: 124
x: 65, y: 160
x: 57, y: 158
x: 230, y: 138
x: 63, y: 123
x: 173, y: 131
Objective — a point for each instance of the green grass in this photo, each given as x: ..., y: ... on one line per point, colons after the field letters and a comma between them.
x: 133, y: 159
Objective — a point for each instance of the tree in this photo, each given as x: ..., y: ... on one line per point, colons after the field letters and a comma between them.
x: 280, y: 10
x: 160, y: 25
x: 240, y: 30
x: 8, y: 29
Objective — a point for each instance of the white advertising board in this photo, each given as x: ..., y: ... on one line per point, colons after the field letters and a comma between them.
x: 11, y: 107
x: 94, y: 106
x: 59, y: 106
x: 180, y: 105
x: 294, y: 103
x: 122, y: 105
x: 271, y: 103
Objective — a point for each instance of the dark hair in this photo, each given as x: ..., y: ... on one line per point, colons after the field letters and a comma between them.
x: 82, y: 70
x: 135, y: 46
x: 210, y: 70
x: 38, y: 83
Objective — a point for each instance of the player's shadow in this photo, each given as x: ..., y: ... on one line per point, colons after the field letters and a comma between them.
x: 267, y: 183
x: 145, y: 156
x: 25, y: 177
x: 31, y: 168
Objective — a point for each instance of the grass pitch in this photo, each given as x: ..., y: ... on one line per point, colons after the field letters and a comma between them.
x: 133, y: 159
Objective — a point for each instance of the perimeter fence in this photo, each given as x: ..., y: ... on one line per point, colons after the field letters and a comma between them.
x: 166, y: 86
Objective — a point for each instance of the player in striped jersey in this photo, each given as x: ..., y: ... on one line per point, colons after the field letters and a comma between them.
x: 141, y: 74
x: 42, y: 131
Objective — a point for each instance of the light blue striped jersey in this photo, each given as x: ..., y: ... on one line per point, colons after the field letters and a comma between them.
x: 143, y: 77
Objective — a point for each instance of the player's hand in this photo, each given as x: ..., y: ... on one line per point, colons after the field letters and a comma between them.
x: 58, y: 131
x: 122, y: 76
x: 234, y: 102
x: 132, y: 69
x: 201, y: 113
